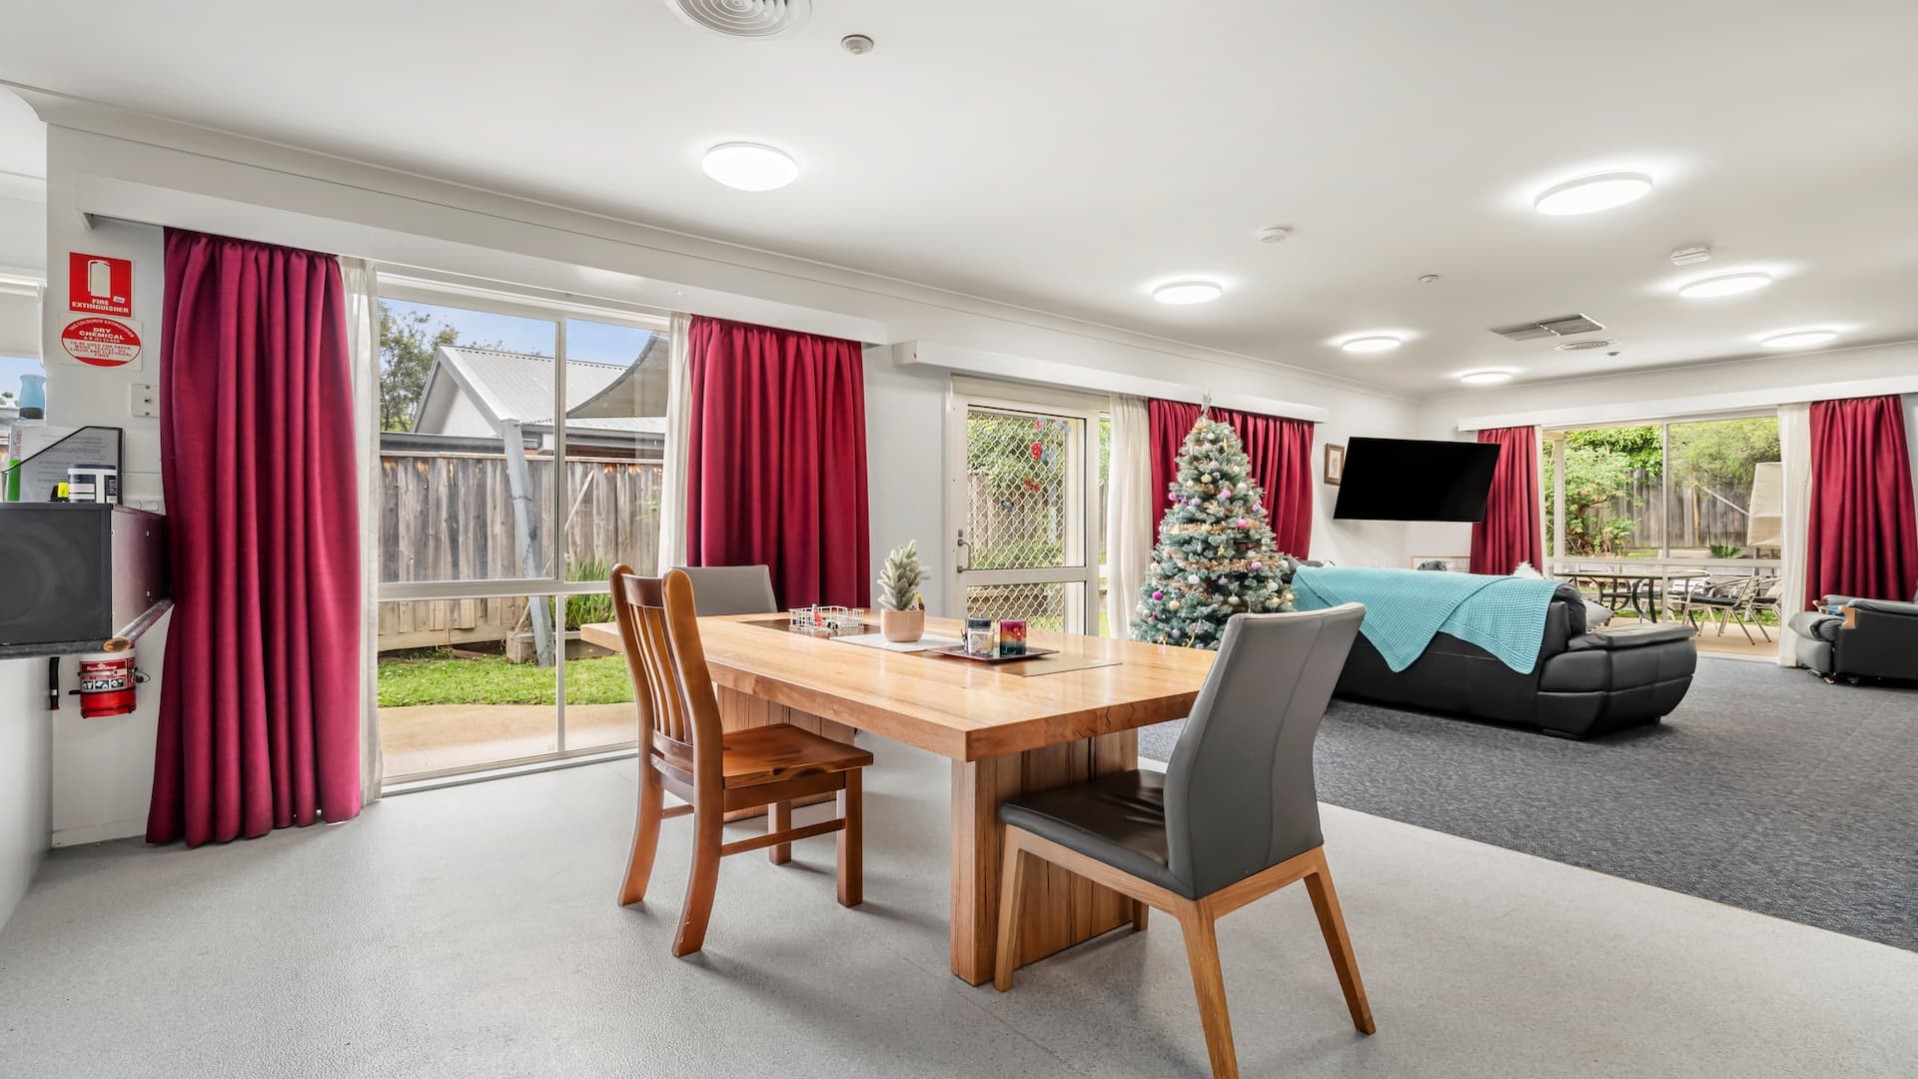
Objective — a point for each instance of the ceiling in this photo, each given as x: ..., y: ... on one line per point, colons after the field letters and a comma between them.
x: 1069, y: 156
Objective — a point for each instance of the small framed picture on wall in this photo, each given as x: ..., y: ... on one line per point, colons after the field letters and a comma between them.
x: 1334, y: 463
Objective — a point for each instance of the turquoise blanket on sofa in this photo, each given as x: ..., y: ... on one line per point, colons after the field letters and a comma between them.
x: 1405, y: 608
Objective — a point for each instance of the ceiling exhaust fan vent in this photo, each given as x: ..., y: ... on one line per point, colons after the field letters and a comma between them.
x: 743, y: 18
x: 1584, y: 346
x: 1562, y: 326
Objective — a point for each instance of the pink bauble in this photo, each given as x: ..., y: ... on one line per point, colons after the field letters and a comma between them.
x: 1243, y: 523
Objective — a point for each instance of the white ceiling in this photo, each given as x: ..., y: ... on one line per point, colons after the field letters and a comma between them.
x: 1067, y: 156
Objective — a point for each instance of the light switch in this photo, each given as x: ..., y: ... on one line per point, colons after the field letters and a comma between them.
x: 143, y: 399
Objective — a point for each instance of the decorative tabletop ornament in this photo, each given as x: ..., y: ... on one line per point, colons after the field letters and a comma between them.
x: 902, y: 613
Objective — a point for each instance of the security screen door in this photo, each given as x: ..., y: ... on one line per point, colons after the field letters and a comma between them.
x: 1024, y: 482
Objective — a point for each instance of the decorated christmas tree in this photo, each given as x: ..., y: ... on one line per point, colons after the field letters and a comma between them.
x: 1214, y: 558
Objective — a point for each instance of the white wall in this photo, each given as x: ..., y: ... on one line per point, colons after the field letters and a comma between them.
x: 230, y: 186
x: 103, y: 768
x: 25, y: 776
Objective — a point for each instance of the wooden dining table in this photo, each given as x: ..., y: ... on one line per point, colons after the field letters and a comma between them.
x: 1007, y: 731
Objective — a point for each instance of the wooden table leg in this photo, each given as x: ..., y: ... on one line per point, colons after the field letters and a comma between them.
x: 1058, y: 908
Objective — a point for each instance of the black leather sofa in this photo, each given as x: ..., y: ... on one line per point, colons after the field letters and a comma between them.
x: 1877, y: 639
x: 1584, y: 684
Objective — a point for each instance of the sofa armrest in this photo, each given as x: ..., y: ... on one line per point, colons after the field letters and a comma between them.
x: 1889, y: 607
x: 1817, y: 625
x: 1630, y: 637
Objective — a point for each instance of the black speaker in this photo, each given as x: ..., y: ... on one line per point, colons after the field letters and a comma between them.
x: 77, y: 572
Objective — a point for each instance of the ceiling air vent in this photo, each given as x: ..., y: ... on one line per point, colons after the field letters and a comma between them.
x: 1562, y: 326
x: 743, y: 18
x: 1577, y: 346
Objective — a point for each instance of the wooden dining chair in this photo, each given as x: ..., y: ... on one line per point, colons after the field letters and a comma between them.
x: 684, y: 751
x: 1234, y: 817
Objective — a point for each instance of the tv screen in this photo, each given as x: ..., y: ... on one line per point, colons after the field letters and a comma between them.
x: 1402, y: 479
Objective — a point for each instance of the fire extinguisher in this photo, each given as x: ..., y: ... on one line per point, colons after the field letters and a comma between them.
x: 107, y: 681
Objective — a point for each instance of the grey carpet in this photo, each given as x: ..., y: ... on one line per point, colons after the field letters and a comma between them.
x: 1766, y: 789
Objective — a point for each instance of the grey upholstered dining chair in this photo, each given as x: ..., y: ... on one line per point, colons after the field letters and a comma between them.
x: 1234, y: 817
x: 732, y: 589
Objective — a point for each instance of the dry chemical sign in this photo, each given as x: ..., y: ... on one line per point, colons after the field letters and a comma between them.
x: 102, y: 342
x: 99, y: 285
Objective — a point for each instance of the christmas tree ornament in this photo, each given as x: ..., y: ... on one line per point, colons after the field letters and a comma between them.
x: 1214, y: 558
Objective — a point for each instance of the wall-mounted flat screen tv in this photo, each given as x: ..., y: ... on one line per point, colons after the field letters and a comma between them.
x: 1403, y: 479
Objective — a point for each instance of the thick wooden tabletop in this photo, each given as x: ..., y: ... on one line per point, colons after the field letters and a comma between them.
x: 960, y: 709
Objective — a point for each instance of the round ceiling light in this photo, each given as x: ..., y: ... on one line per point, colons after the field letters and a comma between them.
x: 1728, y: 284
x: 1488, y: 377
x: 1590, y: 194
x: 1800, y: 339
x: 1371, y: 343
x: 750, y: 166
x: 1184, y: 292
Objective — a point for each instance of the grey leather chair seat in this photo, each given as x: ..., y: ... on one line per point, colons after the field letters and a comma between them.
x: 1118, y: 819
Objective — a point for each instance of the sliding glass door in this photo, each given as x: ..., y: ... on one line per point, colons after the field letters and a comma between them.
x: 519, y: 461
x: 1024, y: 498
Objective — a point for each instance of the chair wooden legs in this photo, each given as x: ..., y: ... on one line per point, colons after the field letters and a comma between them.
x: 779, y: 818
x: 703, y: 880
x: 1012, y: 889
x: 1196, y: 921
x: 852, y: 842
x: 1325, y: 903
x: 639, y: 865
x: 1140, y: 912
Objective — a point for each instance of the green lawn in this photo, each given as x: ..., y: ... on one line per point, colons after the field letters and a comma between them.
x: 443, y: 679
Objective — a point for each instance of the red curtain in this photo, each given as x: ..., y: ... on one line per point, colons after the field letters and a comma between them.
x: 1862, y: 541
x: 259, y: 709
x: 1510, y: 532
x: 776, y: 466
x: 1280, y: 451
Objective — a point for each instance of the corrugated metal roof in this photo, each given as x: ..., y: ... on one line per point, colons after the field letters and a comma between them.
x: 516, y: 385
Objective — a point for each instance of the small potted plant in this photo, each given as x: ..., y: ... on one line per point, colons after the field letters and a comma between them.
x: 902, y: 613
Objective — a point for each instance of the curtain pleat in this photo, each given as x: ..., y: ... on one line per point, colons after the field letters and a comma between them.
x: 1280, y: 451
x: 1131, y: 503
x: 776, y: 459
x: 1511, y: 531
x: 259, y: 723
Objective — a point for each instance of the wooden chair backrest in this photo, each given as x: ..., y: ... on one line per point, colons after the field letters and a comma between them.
x: 678, y: 712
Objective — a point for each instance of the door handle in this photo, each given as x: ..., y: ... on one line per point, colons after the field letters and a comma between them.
x: 960, y: 542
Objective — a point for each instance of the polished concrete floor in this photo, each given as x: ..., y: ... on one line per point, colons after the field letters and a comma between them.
x: 472, y: 932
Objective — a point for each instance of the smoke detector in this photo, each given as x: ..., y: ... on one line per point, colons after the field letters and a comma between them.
x: 1583, y: 346
x: 1691, y: 256
x: 743, y: 18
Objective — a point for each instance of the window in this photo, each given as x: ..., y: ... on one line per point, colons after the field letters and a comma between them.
x: 1703, y: 490
x: 520, y: 461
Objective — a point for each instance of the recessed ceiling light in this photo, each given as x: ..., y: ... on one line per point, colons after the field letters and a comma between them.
x: 1800, y: 339
x: 1486, y: 378
x: 750, y: 166
x: 1183, y: 292
x: 1371, y: 343
x: 1590, y: 194
x: 1728, y: 284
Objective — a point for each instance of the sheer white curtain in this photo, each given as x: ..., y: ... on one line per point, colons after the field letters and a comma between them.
x: 1130, y: 502
x: 1794, y: 445
x: 672, y: 481
x: 363, y: 351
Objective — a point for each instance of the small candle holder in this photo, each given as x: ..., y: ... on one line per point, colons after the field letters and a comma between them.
x: 1012, y: 637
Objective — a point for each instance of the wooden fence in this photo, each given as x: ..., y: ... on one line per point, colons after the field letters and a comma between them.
x: 1694, y: 520
x: 449, y: 517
